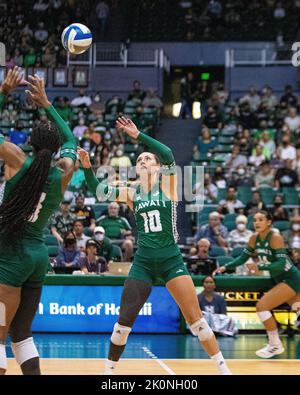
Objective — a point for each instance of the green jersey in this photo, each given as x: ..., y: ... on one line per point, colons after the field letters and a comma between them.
x: 156, y: 217
x: 49, y: 200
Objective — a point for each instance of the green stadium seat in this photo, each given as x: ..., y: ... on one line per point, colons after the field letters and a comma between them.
x: 99, y: 209
x: 230, y: 225
x: 244, y: 194
x: 291, y: 196
x: 237, y: 251
x: 221, y: 194
x: 116, y: 253
x: 53, y: 251
x: 222, y: 260
x: 51, y: 240
x: 217, y: 251
x: 267, y: 195
x: 281, y: 225
x: 230, y: 217
x: 88, y: 232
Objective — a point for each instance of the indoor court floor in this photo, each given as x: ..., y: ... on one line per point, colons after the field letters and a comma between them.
x: 76, y: 354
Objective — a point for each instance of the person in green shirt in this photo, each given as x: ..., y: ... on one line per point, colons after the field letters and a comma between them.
x: 30, y: 58
x: 104, y: 245
x: 153, y: 200
x: 271, y: 252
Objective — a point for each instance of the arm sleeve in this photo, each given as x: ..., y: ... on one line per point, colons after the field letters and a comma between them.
x: 164, y: 153
x: 101, y: 190
x: 278, y: 266
x: 240, y: 260
x: 69, y: 144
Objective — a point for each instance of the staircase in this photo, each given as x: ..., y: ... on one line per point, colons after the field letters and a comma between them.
x: 180, y: 135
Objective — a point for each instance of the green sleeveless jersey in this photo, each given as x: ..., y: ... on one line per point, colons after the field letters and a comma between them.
x: 156, y: 217
x: 49, y: 201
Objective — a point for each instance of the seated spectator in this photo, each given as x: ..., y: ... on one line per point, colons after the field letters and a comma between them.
x: 288, y: 96
x: 209, y: 300
x: 80, y: 129
x: 268, y: 145
x: 81, y: 238
x: 104, y: 245
x: 63, y: 221
x: 286, y: 176
x: 231, y: 204
x: 119, y: 159
x: 219, y: 178
x: 257, y: 156
x: 49, y: 58
x: 69, y: 254
x: 114, y: 105
x: 204, y: 143
x: 199, y: 261
x: 245, y: 142
x: 18, y: 136
x: 92, y: 263
x: 63, y: 108
x: 118, y: 229
x: 252, y: 98
x: 235, y: 159
x: 97, y: 107
x: 255, y: 204
x: 212, y: 119
x: 30, y: 58
x: 41, y: 33
x: 293, y: 119
x: 137, y: 92
x: 18, y: 58
x: 239, y: 237
x: 292, y: 236
x: 82, y: 100
x: 265, y: 176
x: 278, y: 212
x: 210, y: 189
x: 152, y: 100
x: 241, y: 177
x: 214, y: 231
x: 268, y: 98
x: 83, y: 213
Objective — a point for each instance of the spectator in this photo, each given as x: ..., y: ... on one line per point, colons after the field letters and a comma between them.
x: 278, y: 212
x: 49, y: 58
x: 209, y: 300
x: 188, y: 91
x: 219, y: 178
x: 81, y: 238
x: 257, y: 157
x: 199, y: 261
x: 239, y: 237
x: 84, y: 213
x: 214, y: 9
x: 119, y: 159
x: 30, y: 58
x: 255, y: 204
x: 69, y: 254
x: 82, y: 100
x: 286, y: 176
x: 104, y: 245
x: 242, y: 177
x: 288, y: 96
x: 279, y: 11
x: 152, y: 100
x: 26, y: 31
x: 97, y: 107
x: 252, y: 98
x: 235, y: 159
x: 204, y: 144
x: 118, y: 229
x: 92, y: 263
x: 231, y: 204
x: 137, y: 93
x: 102, y: 12
x: 222, y: 93
x: 214, y: 231
x: 114, y: 105
x: 212, y: 119
x: 40, y: 6
x: 18, y: 136
x: 268, y: 98
x: 210, y: 190
x: 63, y: 221
x: 265, y: 177
x: 80, y: 129
x: 41, y: 34
x: 286, y: 150
x: 292, y: 119
x: 18, y: 58
x: 63, y: 108
x: 292, y: 236
x: 268, y: 144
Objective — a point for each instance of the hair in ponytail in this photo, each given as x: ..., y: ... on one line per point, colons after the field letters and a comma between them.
x: 20, y: 205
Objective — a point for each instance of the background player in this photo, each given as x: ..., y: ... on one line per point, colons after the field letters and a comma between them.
x: 269, y: 246
x: 154, y: 204
x: 32, y: 191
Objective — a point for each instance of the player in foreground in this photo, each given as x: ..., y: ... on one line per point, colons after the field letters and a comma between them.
x: 269, y: 247
x: 32, y: 191
x: 154, y: 203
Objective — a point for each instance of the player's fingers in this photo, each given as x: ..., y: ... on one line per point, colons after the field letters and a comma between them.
x: 29, y: 94
x: 121, y: 121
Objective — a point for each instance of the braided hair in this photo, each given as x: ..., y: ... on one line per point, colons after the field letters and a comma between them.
x: 19, y: 206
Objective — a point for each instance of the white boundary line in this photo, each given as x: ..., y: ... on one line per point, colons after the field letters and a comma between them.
x: 159, y: 361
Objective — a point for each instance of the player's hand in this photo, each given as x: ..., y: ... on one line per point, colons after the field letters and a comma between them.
x: 221, y: 269
x: 12, y: 80
x: 125, y: 125
x: 84, y: 158
x: 37, y: 91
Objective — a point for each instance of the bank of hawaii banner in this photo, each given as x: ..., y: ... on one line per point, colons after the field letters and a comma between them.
x: 66, y: 308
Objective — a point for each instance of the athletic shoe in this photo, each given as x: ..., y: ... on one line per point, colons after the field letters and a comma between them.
x: 270, y: 351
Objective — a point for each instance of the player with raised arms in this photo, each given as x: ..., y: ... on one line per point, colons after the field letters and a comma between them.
x: 269, y: 246
x: 153, y: 202
x: 32, y: 191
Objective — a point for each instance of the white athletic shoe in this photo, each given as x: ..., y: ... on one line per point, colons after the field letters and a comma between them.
x: 109, y: 371
x: 270, y: 351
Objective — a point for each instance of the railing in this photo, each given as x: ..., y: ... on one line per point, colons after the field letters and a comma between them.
x: 252, y: 57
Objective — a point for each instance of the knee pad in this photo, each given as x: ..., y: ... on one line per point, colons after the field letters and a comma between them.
x: 201, y: 329
x: 3, y: 361
x: 120, y: 334
x: 264, y: 315
x: 24, y: 350
x: 2, y: 314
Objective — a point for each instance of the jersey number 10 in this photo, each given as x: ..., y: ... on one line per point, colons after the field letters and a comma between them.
x: 152, y: 221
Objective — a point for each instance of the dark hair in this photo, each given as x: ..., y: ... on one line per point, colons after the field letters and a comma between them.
x: 267, y: 214
x: 66, y: 237
x: 19, y: 207
x: 206, y: 277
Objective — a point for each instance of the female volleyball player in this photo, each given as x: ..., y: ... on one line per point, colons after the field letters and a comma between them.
x: 32, y: 191
x: 269, y: 246
x: 154, y: 205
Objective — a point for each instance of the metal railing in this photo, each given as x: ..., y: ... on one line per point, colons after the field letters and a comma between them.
x: 253, y: 57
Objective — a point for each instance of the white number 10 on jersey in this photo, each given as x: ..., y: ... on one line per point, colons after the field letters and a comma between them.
x: 152, y: 221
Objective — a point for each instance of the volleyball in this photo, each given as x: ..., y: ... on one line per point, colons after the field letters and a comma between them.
x: 76, y: 38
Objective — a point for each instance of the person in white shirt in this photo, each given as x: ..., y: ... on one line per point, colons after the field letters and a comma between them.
x: 239, y: 237
x: 286, y: 151
x: 231, y: 204
x: 257, y: 158
x: 293, y: 119
x: 252, y: 98
x: 80, y: 129
x: 80, y: 236
x: 81, y: 100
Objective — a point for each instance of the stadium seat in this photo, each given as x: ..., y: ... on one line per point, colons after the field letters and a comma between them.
x: 281, y: 225
x: 217, y: 251
x: 244, y: 194
x: 88, y: 232
x: 267, y: 195
x: 230, y: 217
x: 237, y: 251
x: 117, y: 253
x: 51, y: 240
x: 221, y: 194
x: 99, y: 209
x: 230, y: 225
x: 53, y: 251
x: 291, y: 196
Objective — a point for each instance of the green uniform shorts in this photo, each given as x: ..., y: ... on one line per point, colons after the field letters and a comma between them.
x: 26, y: 266
x: 163, y: 264
x: 292, y: 279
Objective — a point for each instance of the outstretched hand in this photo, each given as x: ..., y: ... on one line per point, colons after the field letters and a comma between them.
x: 37, y: 91
x: 12, y: 80
x: 84, y: 158
x: 219, y: 270
x: 125, y: 125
